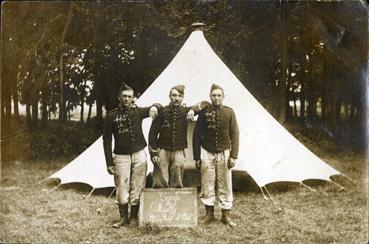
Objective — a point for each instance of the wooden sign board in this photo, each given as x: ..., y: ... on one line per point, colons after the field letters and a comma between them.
x: 173, y: 207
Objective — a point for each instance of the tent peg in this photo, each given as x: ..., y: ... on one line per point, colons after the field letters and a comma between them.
x: 270, y: 196
x: 54, y: 188
x: 90, y: 193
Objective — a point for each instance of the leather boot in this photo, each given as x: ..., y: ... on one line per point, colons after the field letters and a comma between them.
x: 134, y: 213
x: 209, y: 217
x: 226, y: 219
x: 124, y: 219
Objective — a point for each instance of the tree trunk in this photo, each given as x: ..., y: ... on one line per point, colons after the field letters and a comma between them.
x: 15, y: 103
x: 89, y: 112
x: 323, y: 114
x: 284, y: 56
x: 82, y: 110
x: 289, y: 111
x: 99, y: 110
x: 338, y: 110
x: 6, y: 113
x: 28, y: 115
x: 2, y: 113
x: 62, y: 112
x: 311, y: 109
x: 34, y: 113
x: 82, y: 100
x: 346, y: 111
x: 302, y: 102
x: 61, y: 88
x: 333, y: 113
x: 44, y: 113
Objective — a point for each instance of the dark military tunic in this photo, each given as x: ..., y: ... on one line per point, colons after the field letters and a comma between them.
x: 216, y: 130
x: 169, y: 130
x: 126, y: 126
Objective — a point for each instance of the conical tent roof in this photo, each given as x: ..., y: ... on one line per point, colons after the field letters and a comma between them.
x: 268, y: 152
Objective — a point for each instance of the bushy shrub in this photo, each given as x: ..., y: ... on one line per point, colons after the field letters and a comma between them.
x: 49, y: 142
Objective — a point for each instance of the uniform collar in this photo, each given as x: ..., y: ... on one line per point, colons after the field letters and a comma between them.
x: 216, y: 106
x: 122, y: 108
x: 175, y: 106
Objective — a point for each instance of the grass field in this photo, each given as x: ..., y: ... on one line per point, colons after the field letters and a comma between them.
x: 30, y: 213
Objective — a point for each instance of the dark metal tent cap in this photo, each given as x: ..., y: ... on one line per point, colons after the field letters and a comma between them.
x: 197, y: 26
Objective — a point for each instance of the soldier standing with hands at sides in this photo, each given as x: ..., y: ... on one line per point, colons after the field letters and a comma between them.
x: 168, y: 140
x: 128, y: 163
x: 215, y: 150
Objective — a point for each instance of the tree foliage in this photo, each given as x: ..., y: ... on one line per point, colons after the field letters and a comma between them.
x: 304, y: 61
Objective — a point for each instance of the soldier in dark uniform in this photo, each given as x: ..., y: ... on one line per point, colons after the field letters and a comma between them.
x: 128, y: 163
x: 168, y: 140
x: 215, y: 150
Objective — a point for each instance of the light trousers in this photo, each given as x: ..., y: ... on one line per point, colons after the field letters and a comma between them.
x: 216, y: 179
x: 169, y: 173
x: 130, y: 176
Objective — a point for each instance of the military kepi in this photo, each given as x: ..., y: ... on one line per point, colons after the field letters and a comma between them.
x: 214, y: 86
x: 124, y: 87
x: 179, y: 88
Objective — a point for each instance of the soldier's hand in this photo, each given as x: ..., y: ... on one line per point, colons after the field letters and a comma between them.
x: 198, y: 164
x: 203, y: 104
x: 231, y: 163
x: 155, y: 160
x: 190, y: 115
x: 153, y: 112
x: 111, y: 170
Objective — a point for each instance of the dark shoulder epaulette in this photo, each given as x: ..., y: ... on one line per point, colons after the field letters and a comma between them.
x: 111, y: 111
x: 227, y: 107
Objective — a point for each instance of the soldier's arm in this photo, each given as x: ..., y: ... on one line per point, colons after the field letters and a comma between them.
x: 234, y: 135
x: 145, y: 111
x: 107, y: 140
x: 197, y: 136
x: 153, y: 136
x: 198, y: 107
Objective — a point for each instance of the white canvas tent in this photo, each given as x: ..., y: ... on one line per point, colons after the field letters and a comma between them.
x: 268, y: 152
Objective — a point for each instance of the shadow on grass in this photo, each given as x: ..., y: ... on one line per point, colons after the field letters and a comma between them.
x: 80, y: 188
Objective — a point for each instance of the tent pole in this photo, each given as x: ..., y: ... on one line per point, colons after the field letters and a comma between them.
x: 308, y: 187
x: 90, y: 193
x: 54, y: 188
x: 270, y: 196
x: 261, y: 189
x: 111, y: 193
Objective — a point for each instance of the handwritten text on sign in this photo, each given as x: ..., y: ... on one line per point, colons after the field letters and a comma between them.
x: 169, y: 207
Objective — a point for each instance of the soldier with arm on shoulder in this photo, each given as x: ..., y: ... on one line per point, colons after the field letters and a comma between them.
x: 215, y: 149
x: 128, y: 160
x: 168, y: 140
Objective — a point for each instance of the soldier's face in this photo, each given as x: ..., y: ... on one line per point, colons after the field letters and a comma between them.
x: 175, y: 97
x: 217, y: 96
x: 126, y: 98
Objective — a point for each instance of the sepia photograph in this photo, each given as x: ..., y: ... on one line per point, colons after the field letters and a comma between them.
x: 199, y: 121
